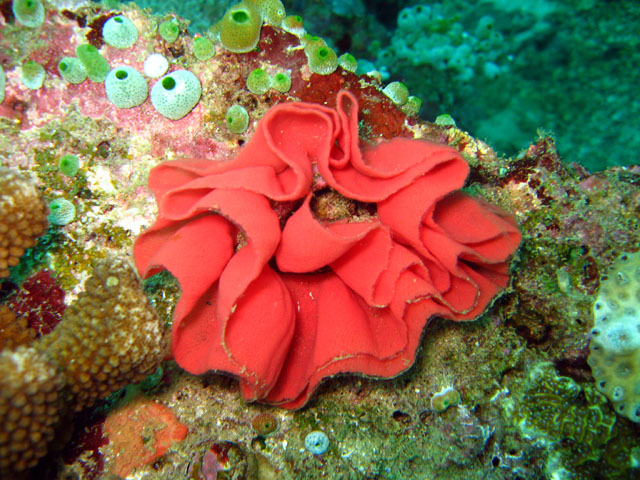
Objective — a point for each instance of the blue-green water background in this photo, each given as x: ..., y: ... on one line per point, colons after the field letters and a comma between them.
x: 568, y: 68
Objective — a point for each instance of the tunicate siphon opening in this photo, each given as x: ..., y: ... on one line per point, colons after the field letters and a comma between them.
x: 240, y: 16
x: 168, y: 83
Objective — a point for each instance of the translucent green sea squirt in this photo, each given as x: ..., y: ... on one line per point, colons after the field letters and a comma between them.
x: 237, y: 119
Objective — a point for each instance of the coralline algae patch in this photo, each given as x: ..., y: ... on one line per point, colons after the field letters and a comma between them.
x: 139, y: 433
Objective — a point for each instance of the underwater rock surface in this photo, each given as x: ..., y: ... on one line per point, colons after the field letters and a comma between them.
x: 574, y: 225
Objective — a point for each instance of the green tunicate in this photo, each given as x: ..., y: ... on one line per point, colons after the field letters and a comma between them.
x: 271, y: 11
x: 281, y: 82
x: 62, y: 213
x: 72, y: 70
x: 94, y: 63
x: 69, y: 165
x: 348, y: 62
x: 412, y: 107
x: 175, y: 94
x: 240, y: 27
x: 312, y: 41
x: 203, y: 48
x: 445, y: 120
x: 259, y: 81
x: 29, y: 13
x: 119, y: 32
x: 294, y: 25
x: 126, y: 87
x: 237, y: 119
x: 169, y: 31
x: 445, y: 398
x: 321, y: 58
x: 397, y: 92
x: 33, y: 75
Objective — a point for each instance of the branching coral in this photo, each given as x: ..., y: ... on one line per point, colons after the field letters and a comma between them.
x: 31, y: 403
x: 109, y: 337
x: 23, y: 217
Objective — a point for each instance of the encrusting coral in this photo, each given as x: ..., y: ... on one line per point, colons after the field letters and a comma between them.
x: 109, y: 337
x: 23, y: 217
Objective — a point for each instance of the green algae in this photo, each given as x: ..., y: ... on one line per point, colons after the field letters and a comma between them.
x: 584, y: 437
x: 559, y: 409
x: 573, y: 421
x: 163, y: 291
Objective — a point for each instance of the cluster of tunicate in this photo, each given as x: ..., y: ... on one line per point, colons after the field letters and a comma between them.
x: 239, y: 32
x: 429, y: 36
x: 615, y: 337
x: 88, y: 62
x: 109, y: 337
x: 173, y: 96
x: 259, y: 81
x: 23, y: 217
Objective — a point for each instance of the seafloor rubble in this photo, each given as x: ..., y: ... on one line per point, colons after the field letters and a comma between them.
x: 526, y: 406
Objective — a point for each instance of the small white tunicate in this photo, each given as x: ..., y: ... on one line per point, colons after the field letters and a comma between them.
x: 155, y: 65
x: 316, y: 442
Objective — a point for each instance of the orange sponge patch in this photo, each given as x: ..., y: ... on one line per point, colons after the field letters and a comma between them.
x: 140, y: 433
